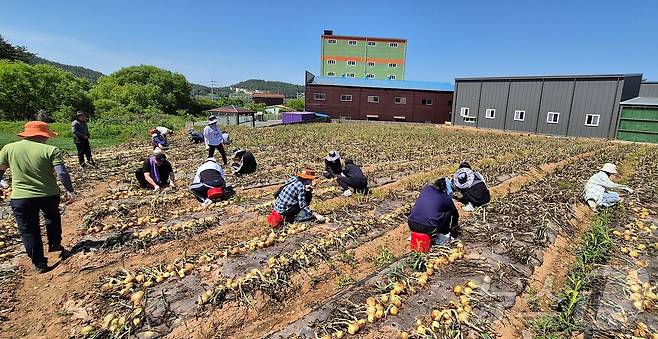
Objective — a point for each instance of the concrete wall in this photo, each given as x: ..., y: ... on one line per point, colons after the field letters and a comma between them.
x: 649, y: 89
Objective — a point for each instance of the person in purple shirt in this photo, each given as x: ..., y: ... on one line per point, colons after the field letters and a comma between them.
x: 435, y: 214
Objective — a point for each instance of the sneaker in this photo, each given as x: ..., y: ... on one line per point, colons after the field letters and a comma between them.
x: 592, y: 205
x: 469, y: 207
x: 442, y: 239
x: 347, y: 193
x: 41, y: 267
x: 206, y: 203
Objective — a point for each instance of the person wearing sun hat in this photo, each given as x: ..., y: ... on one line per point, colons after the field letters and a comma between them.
x: 471, y: 186
x: 293, y: 200
x: 80, y: 132
x: 34, y: 166
x: 214, y: 138
x: 599, y: 188
x: 156, y: 172
x: 209, y: 183
x: 244, y: 162
x: 332, y: 165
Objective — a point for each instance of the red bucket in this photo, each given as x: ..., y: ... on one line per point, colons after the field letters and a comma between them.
x: 215, y: 193
x: 275, y: 219
x: 420, y: 242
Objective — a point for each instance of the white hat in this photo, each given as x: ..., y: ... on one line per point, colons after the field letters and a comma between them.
x: 333, y: 156
x: 157, y: 150
x: 609, y: 168
x: 212, y: 120
x: 464, y: 178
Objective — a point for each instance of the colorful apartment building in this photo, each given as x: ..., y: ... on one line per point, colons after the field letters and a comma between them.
x: 362, y: 57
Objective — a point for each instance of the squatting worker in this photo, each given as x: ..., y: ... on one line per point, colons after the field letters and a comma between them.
x: 244, y: 162
x: 332, y: 165
x: 194, y: 136
x: 33, y: 166
x: 352, y: 178
x: 293, y: 199
x: 155, y: 173
x: 471, y: 186
x: 599, y: 186
x: 209, y: 183
x: 214, y: 138
x: 158, y: 142
x: 164, y: 131
x: 80, y: 132
x: 435, y: 214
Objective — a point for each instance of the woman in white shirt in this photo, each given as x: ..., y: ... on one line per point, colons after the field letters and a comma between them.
x: 214, y: 139
x: 599, y: 186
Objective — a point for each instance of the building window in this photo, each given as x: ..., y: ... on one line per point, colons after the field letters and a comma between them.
x: 592, y: 120
x: 426, y: 102
x: 373, y: 98
x: 345, y: 97
x: 331, y: 41
x: 351, y: 63
x: 320, y: 96
x: 519, y: 115
x: 351, y: 42
x: 331, y: 74
x: 469, y: 120
x: 463, y: 112
x: 370, y: 76
x: 391, y: 77
x: 371, y: 64
x: 490, y: 113
x: 392, y: 65
x: 331, y: 62
x: 393, y: 44
x: 349, y: 75
x: 372, y: 43
x: 553, y: 117
x: 401, y: 100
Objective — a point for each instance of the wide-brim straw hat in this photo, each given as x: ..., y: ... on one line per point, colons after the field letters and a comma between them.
x: 308, y: 174
x: 333, y: 156
x: 609, y: 168
x: 36, y: 129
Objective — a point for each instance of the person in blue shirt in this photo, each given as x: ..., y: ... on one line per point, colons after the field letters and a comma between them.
x: 434, y: 213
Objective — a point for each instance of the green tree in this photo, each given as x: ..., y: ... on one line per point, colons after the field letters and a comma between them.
x: 13, y: 53
x: 27, y: 89
x: 296, y: 104
x: 256, y: 107
x: 141, y: 90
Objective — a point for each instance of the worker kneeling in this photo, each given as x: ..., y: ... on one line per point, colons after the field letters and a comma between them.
x: 434, y: 216
x: 352, y: 179
x: 244, y: 162
x: 471, y: 186
x: 209, y: 183
x: 292, y: 201
x: 155, y: 173
x: 599, y: 187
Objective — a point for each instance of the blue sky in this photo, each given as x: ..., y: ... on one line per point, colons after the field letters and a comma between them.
x: 230, y: 41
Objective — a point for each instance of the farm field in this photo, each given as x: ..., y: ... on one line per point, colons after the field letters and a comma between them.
x: 535, y: 262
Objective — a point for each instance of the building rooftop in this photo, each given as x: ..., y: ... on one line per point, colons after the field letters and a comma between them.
x: 349, y: 37
x: 268, y: 95
x: 641, y: 101
x: 567, y: 76
x: 230, y: 109
x: 311, y: 79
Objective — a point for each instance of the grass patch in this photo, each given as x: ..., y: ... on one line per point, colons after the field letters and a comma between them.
x: 384, y: 257
x: 343, y: 281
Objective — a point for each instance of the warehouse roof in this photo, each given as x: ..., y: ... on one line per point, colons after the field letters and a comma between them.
x: 568, y: 76
x: 373, y: 83
x: 641, y: 101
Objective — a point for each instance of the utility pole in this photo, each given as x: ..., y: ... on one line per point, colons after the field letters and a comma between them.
x: 213, y: 83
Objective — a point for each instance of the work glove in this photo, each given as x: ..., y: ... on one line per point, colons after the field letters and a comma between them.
x: 70, y: 197
x: 156, y: 188
x: 4, y: 184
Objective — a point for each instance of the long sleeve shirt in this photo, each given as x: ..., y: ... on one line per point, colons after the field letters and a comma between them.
x: 293, y: 193
x: 213, y: 135
x: 210, y: 174
x: 434, y: 209
x: 598, y: 184
x: 80, y: 130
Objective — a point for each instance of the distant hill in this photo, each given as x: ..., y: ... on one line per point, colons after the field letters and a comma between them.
x: 76, y: 70
x: 287, y: 89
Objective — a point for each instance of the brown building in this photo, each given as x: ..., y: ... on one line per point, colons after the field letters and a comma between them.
x: 384, y: 100
x: 269, y: 99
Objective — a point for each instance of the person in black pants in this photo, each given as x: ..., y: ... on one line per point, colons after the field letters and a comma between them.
x: 472, y: 189
x: 435, y: 214
x: 244, y: 162
x: 155, y: 173
x: 332, y: 165
x: 80, y: 132
x: 352, y: 178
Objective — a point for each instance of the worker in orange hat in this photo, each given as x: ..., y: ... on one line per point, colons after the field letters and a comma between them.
x: 33, y: 166
x: 292, y: 201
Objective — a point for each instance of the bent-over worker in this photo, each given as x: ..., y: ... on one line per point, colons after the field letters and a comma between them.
x: 158, y: 141
x: 33, y: 165
x: 244, y: 162
x: 209, y: 183
x: 352, y: 178
x: 293, y: 199
x: 332, y: 165
x: 599, y: 186
x: 471, y: 185
x: 194, y: 136
x: 155, y: 173
x: 164, y: 131
x: 214, y: 139
x: 435, y: 214
x: 80, y: 132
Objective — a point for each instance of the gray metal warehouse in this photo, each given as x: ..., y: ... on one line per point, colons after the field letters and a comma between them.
x: 565, y: 105
x: 649, y: 89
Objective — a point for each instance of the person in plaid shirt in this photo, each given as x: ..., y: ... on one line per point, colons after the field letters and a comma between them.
x: 293, y: 199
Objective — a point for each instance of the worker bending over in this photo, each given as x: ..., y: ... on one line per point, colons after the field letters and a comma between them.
x: 214, y: 139
x: 156, y: 173
x: 33, y: 166
x: 332, y: 165
x: 599, y: 186
x: 435, y: 214
x: 352, y: 179
x: 194, y: 137
x: 209, y: 183
x: 244, y: 162
x: 293, y: 199
x: 471, y: 186
x: 158, y: 142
